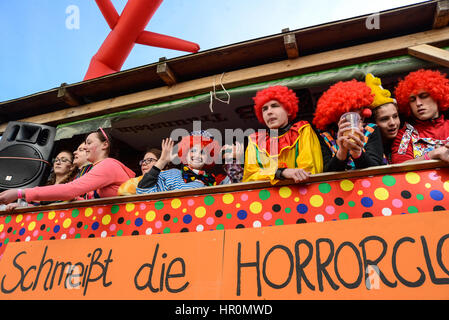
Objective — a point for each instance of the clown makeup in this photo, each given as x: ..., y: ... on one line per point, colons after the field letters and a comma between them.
x: 388, y: 121
x: 196, y: 158
x: 274, y: 115
x: 423, y: 106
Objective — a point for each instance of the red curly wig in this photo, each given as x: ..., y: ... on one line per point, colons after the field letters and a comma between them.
x: 285, y: 96
x: 203, y: 138
x: 433, y: 82
x: 344, y: 96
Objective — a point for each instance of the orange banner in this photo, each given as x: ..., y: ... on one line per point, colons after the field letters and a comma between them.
x: 397, y: 257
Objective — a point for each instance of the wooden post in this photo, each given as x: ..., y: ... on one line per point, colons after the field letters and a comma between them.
x: 441, y: 18
x: 68, y: 97
x: 430, y: 53
x: 164, y: 71
x: 291, y: 47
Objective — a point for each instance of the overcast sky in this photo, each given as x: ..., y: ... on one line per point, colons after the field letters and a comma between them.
x: 43, y: 43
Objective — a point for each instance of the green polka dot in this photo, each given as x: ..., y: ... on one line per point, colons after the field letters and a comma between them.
x: 86, y: 226
x: 209, y: 200
x: 119, y: 233
x: 288, y: 210
x: 159, y: 205
x: 48, y: 229
x: 264, y: 194
x: 175, y: 220
x: 6, y: 241
x: 324, y: 187
x: 77, y: 236
x: 8, y: 219
x: 388, y: 180
x: 40, y: 238
x: 228, y: 216
x: 412, y: 209
x: 75, y: 213
x: 351, y: 204
x: 419, y: 197
x: 115, y: 208
x: 279, y: 222
x: 128, y: 222
x: 14, y: 232
x: 166, y: 230
x: 39, y: 216
x: 343, y: 216
x: 220, y: 227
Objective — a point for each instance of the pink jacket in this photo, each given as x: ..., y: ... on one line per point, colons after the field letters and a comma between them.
x: 105, y: 177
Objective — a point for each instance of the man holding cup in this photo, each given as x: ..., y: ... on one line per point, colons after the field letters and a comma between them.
x: 346, y: 142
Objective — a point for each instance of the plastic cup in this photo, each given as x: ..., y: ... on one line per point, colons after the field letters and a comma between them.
x: 354, y: 119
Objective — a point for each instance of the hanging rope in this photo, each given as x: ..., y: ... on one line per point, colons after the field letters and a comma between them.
x: 213, y: 94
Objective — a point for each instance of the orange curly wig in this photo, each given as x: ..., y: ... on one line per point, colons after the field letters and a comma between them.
x: 203, y: 138
x: 285, y: 96
x: 344, y: 96
x: 433, y: 82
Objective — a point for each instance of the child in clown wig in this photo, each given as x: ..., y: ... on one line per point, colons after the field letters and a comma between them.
x: 196, y: 153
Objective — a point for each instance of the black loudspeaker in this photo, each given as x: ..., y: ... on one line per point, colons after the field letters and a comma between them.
x: 26, y: 150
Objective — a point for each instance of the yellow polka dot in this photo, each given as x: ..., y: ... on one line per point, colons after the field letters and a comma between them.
x: 51, y: 215
x: 255, y: 207
x: 88, y: 212
x: 360, y: 192
x: 446, y: 186
x: 106, y: 219
x: 427, y: 185
x: 228, y: 198
x: 67, y: 222
x: 346, y: 185
x: 175, y: 203
x: 316, y: 201
x: 200, y: 212
x: 19, y: 218
x: 381, y: 193
x: 285, y: 192
x: 22, y: 224
x: 412, y: 177
x: 237, y: 205
x: 130, y: 207
x: 137, y: 213
x: 296, y: 199
x: 32, y: 225
x: 150, y: 216
x: 1, y: 227
x: 94, y: 218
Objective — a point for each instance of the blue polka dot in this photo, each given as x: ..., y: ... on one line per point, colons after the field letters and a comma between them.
x: 138, y: 222
x: 436, y: 195
x: 242, y: 214
x: 22, y: 231
x: 56, y: 229
x: 302, y: 208
x: 187, y: 219
x: 367, y: 202
x: 95, y: 225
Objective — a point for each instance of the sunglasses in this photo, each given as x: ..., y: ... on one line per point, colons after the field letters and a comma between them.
x: 147, y: 161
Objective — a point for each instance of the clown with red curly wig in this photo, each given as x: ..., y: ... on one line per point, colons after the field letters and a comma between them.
x: 422, y: 96
x: 197, y: 153
x: 290, y: 148
x: 344, y: 147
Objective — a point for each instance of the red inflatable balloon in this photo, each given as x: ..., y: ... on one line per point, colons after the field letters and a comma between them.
x: 126, y: 32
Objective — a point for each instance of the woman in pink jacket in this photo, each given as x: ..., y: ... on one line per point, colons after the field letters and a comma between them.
x: 103, y: 179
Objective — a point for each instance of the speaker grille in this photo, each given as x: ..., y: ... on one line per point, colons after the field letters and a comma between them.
x: 15, y: 172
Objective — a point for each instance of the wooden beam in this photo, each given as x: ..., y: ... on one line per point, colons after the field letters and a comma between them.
x: 286, y: 68
x: 68, y: 97
x: 165, y: 73
x: 430, y: 53
x: 441, y: 18
x: 291, y: 47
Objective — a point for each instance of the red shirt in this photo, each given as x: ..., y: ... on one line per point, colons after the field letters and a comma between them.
x: 436, y: 129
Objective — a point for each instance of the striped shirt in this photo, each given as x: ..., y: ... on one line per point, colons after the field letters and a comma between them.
x: 170, y: 180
